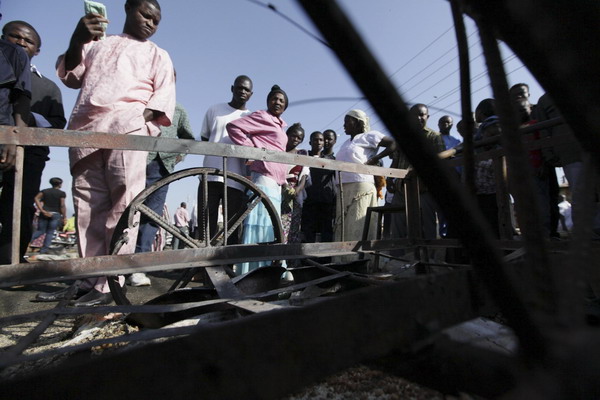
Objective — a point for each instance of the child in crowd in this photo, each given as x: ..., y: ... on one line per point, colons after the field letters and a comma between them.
x: 293, y: 193
x: 318, y: 212
x: 485, y: 180
x: 316, y: 142
x: 329, y: 140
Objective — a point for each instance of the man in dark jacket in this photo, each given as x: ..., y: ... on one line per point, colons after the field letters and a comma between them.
x: 15, y: 97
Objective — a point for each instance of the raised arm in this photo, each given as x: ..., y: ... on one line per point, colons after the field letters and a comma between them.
x: 240, y: 129
x: 89, y: 27
x: 184, y: 128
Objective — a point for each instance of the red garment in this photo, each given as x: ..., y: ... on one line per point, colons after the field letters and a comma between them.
x: 292, y: 177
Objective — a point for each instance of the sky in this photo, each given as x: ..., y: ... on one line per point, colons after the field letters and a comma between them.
x: 213, y: 41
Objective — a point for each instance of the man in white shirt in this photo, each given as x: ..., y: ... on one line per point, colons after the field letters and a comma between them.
x: 564, y: 208
x: 213, y: 130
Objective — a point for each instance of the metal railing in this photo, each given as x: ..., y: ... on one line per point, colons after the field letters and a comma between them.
x: 50, y: 270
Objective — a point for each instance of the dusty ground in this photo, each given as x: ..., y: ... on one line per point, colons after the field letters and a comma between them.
x: 365, y: 383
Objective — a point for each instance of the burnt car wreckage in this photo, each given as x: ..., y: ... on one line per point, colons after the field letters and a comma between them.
x: 537, y: 285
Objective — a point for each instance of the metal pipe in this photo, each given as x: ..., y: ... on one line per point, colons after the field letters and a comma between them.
x: 205, y: 210
x: 341, y: 203
x: 542, y: 276
x: 465, y: 94
x: 225, y: 204
x: 59, y: 138
x: 15, y: 254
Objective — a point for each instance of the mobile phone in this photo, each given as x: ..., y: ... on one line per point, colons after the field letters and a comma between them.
x: 97, y: 8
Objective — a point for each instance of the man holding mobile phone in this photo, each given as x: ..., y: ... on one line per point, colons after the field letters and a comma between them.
x: 127, y: 86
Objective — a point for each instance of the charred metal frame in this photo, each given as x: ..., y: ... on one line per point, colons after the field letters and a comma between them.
x: 308, y: 343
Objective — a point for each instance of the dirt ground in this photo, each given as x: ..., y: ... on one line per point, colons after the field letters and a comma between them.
x: 365, y: 383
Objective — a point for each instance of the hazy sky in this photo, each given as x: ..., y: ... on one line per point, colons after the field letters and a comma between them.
x: 213, y: 41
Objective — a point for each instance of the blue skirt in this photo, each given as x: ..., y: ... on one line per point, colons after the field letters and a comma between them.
x: 258, y: 227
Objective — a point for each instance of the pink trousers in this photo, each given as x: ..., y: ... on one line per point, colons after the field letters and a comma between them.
x: 104, y: 183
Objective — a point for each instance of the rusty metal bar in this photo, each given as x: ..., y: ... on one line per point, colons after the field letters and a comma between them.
x: 205, y: 211
x: 253, y: 202
x: 502, y: 200
x: 584, y: 262
x: 360, y: 279
x: 591, y: 183
x: 456, y: 205
x: 166, y: 226
x: 225, y: 204
x: 381, y: 211
x: 465, y: 94
x: 222, y: 284
x: 67, y: 138
x: 554, y: 246
x: 341, y: 203
x: 413, y: 208
x: 365, y: 232
x: 542, y: 276
x: 15, y: 254
x: 48, y: 271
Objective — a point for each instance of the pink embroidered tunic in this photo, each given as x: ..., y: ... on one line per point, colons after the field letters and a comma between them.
x: 119, y: 77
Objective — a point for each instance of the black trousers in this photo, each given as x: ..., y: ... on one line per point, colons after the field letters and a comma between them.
x: 236, y: 202
x: 317, y: 217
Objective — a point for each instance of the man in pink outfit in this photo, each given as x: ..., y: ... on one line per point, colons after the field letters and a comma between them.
x: 127, y: 87
x: 182, y: 220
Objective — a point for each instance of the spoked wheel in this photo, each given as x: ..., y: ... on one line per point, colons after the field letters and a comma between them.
x: 128, y: 220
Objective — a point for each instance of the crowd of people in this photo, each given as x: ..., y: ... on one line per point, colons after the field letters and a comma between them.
x: 143, y: 103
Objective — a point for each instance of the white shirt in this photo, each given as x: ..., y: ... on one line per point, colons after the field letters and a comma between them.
x: 213, y: 129
x: 564, y: 208
x: 359, y: 150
